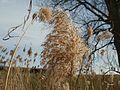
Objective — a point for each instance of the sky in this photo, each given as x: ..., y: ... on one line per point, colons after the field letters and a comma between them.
x: 12, y: 13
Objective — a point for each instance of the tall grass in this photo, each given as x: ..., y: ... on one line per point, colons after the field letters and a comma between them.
x: 63, y: 50
x: 61, y: 57
x: 23, y: 79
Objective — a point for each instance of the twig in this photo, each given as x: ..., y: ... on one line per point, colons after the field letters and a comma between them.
x: 12, y: 29
x: 8, y: 36
x: 15, y: 50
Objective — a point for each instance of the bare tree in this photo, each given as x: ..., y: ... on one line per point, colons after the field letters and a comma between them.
x: 99, y: 21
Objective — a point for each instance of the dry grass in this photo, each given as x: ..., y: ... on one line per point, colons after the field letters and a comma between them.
x: 63, y: 51
x: 25, y: 79
x: 22, y: 79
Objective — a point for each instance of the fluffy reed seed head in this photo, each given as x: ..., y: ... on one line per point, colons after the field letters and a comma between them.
x: 104, y: 35
x: 63, y: 45
x: 90, y: 31
x: 63, y: 50
x: 45, y: 14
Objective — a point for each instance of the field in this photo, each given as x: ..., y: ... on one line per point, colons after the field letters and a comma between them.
x: 26, y: 79
x: 63, y: 53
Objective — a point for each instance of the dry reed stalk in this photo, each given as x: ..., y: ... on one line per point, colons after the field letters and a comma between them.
x: 14, y: 53
x: 63, y: 51
x: 15, y: 80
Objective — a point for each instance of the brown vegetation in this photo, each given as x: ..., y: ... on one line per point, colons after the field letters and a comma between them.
x: 23, y: 79
x: 62, y: 55
x: 63, y: 51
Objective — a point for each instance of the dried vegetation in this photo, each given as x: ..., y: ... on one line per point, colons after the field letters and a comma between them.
x: 61, y: 57
x: 63, y: 50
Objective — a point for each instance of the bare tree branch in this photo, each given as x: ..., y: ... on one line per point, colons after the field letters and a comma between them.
x: 96, y: 9
x: 87, y: 7
x: 12, y: 29
x: 96, y: 49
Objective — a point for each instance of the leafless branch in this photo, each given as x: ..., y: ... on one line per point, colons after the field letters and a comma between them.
x: 71, y: 9
x: 87, y: 7
x: 96, y: 49
x: 12, y: 29
x: 96, y: 9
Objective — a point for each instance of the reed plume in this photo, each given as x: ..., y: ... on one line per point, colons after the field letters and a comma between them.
x: 63, y: 50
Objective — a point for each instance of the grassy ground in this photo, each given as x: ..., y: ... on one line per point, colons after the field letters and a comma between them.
x: 25, y: 79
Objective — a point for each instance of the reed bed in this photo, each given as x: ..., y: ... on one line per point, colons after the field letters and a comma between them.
x: 23, y: 79
x: 63, y: 54
x: 63, y: 50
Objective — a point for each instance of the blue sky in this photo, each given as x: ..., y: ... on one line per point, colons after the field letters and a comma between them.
x: 12, y: 13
